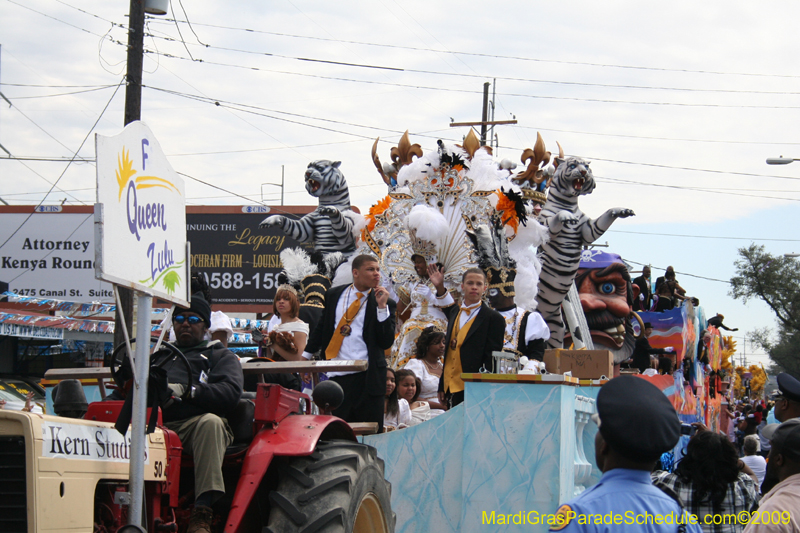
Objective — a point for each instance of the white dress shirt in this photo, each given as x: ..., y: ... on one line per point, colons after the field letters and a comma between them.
x: 353, y: 346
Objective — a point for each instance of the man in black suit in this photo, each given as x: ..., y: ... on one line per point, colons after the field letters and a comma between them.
x: 357, y: 324
x: 642, y: 352
x: 474, y: 331
x: 642, y: 303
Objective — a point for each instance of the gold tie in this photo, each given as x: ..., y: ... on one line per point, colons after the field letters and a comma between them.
x: 457, y: 325
x: 343, y: 328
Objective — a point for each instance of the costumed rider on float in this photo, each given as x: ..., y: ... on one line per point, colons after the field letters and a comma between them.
x: 526, y: 331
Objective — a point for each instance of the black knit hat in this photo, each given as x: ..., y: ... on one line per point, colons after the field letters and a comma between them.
x: 199, y: 306
x: 636, y: 418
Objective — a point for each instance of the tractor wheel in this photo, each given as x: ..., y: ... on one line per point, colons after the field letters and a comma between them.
x: 339, y: 488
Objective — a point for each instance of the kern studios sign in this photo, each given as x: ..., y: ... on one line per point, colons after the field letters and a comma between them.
x: 140, y: 216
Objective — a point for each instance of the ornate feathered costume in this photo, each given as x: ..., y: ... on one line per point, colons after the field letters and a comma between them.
x: 438, y: 197
x: 526, y: 331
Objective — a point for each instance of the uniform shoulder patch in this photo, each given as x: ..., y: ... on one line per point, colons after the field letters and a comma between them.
x: 562, y: 518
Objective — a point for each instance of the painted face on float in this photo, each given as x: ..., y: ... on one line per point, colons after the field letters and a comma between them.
x: 605, y: 300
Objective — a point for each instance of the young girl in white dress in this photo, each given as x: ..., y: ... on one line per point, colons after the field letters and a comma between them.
x: 396, y: 413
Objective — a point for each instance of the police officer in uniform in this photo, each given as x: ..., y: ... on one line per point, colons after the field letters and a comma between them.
x: 787, y: 398
x: 636, y: 425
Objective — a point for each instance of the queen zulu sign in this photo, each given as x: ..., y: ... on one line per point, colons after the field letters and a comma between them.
x: 140, y: 219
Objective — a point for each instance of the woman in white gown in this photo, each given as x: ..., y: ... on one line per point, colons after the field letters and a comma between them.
x: 287, y: 340
x: 427, y: 366
x: 420, y: 296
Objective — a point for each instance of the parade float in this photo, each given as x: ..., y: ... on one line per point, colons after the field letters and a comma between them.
x: 520, y: 443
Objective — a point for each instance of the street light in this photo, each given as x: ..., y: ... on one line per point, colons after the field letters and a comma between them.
x: 780, y: 160
x: 274, y: 185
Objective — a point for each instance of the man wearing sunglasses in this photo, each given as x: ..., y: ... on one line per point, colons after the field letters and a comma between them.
x: 787, y: 398
x: 198, y: 415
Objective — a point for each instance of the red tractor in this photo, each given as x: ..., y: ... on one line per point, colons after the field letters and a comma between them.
x: 287, y: 470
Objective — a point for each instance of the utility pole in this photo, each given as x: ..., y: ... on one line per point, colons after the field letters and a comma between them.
x: 744, y: 352
x: 133, y: 77
x: 492, y: 137
x: 484, y: 117
x: 133, y: 111
x: 485, y: 113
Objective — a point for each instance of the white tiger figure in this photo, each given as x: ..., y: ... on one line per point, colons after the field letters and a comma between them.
x: 328, y: 226
x: 570, y: 229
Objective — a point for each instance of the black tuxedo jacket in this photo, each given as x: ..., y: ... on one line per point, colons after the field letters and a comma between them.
x: 533, y: 349
x: 484, y: 337
x: 378, y: 336
x: 642, y: 305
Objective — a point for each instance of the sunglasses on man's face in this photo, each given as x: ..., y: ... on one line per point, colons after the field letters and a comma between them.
x: 180, y: 319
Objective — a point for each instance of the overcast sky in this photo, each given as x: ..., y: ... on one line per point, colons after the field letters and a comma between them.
x: 676, y: 104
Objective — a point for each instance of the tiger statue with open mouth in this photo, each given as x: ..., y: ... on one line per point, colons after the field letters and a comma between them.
x: 329, y: 226
x: 570, y: 229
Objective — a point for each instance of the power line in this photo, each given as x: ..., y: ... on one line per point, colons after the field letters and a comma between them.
x: 47, y: 181
x: 54, y: 86
x: 476, y: 75
x: 748, y: 174
x: 539, y: 128
x: 682, y: 273
x: 59, y: 94
x: 68, y: 164
x: 55, y: 18
x: 702, y: 236
x: 468, y: 91
x: 6, y: 195
x: 40, y: 127
x: 262, y: 149
x: 249, y: 109
x: 220, y: 103
x: 88, y: 13
x: 496, y: 56
x: 615, y: 181
x: 218, y: 188
x: 47, y: 159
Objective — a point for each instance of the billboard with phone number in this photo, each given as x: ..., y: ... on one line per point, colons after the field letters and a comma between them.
x: 239, y: 260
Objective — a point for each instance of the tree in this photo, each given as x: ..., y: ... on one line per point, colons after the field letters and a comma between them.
x: 785, y: 353
x: 775, y: 280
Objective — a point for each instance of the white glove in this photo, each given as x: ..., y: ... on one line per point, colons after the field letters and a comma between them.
x: 669, y: 349
x: 177, y: 389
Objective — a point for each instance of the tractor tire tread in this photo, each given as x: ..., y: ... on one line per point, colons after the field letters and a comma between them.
x: 322, y: 492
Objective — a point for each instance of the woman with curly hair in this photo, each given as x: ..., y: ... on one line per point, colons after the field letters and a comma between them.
x: 711, y: 480
x: 427, y: 364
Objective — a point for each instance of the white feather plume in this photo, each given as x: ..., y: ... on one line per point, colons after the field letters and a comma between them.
x: 429, y: 224
x: 524, y: 250
x: 332, y: 262
x: 344, y: 274
x: 297, y: 265
x: 532, y: 233
x: 484, y: 172
x: 418, y: 169
x: 358, y: 220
